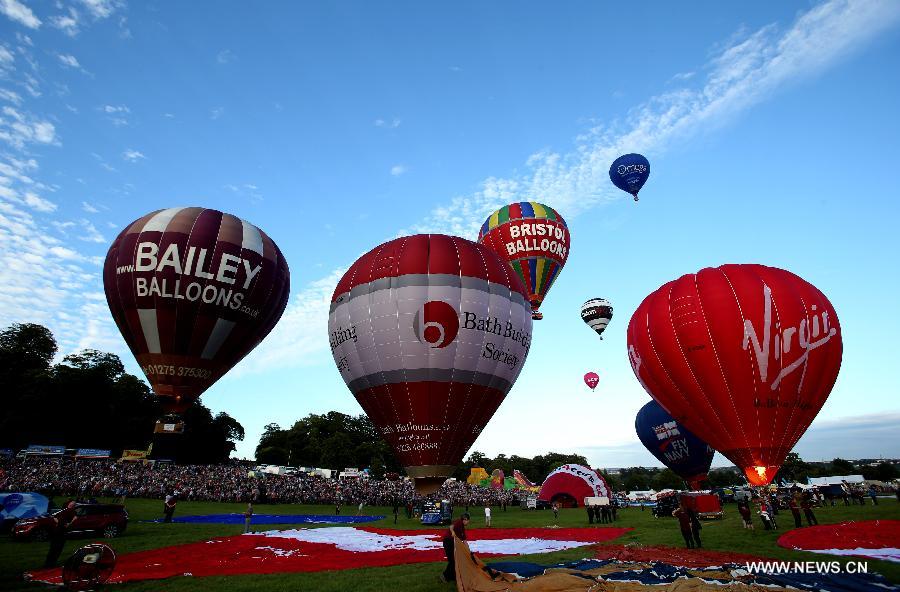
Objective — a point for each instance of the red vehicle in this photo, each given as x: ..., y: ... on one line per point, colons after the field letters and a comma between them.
x: 109, y: 520
x: 707, y: 505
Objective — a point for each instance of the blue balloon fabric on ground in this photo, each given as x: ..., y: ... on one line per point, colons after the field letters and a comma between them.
x: 22, y: 505
x: 273, y: 519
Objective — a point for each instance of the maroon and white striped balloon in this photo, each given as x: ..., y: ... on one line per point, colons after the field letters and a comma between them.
x: 430, y: 332
x: 193, y: 291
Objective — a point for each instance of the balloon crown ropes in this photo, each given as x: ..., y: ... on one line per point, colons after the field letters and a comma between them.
x: 744, y: 356
x: 534, y: 239
x: 429, y: 332
x: 193, y: 291
x: 673, y: 445
x: 629, y: 172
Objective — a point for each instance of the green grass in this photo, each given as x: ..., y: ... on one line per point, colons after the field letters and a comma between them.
x: 723, y: 535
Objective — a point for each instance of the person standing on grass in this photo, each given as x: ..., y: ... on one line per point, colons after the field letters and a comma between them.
x: 684, y: 523
x: 61, y: 521
x: 457, y: 529
x: 248, y: 517
x: 169, y: 507
x: 555, y: 507
x: 695, y: 527
x: 487, y: 515
x: 744, y: 510
x: 873, y: 494
x: 806, y: 504
x: 396, y: 509
x: 794, y: 505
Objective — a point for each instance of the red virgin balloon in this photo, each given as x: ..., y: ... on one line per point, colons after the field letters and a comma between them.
x: 193, y: 291
x: 744, y: 356
x: 429, y: 332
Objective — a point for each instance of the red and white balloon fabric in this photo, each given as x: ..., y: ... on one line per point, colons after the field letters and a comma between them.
x: 430, y: 332
x: 744, y: 356
x: 193, y: 291
x: 575, y: 481
x: 592, y: 379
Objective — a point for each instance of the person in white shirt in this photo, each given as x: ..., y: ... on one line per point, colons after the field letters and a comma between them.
x: 487, y: 515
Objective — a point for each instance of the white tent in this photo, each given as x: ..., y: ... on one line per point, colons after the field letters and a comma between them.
x: 836, y: 480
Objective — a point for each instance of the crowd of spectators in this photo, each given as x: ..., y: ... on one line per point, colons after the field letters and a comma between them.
x: 232, y: 482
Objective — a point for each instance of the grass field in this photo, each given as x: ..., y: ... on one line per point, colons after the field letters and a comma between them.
x: 723, y: 535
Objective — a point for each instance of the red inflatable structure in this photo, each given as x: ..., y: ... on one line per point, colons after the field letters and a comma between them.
x: 568, y: 485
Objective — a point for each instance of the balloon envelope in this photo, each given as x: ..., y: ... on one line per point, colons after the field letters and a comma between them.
x: 592, y: 379
x: 743, y: 356
x: 629, y: 172
x: 534, y: 240
x: 429, y: 332
x: 597, y: 313
x: 193, y: 291
x: 672, y: 444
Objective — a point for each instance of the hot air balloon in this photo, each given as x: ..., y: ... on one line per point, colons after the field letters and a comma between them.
x: 629, y: 172
x: 597, y: 313
x: 592, y: 379
x: 430, y: 332
x: 193, y: 291
x: 743, y: 356
x: 673, y: 445
x: 534, y: 240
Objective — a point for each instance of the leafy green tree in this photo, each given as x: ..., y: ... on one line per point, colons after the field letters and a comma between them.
x: 793, y: 469
x: 842, y: 467
x: 883, y: 471
x: 666, y: 479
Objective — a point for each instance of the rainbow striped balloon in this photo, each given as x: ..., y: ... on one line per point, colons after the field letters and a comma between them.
x: 534, y: 239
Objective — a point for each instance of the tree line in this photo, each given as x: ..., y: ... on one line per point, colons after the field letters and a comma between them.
x: 87, y: 400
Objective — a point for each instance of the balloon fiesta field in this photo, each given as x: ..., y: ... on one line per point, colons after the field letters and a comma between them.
x: 724, y: 540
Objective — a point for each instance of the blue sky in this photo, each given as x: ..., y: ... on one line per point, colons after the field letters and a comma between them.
x: 771, y: 128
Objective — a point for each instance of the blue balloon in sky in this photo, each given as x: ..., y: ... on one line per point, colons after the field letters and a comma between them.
x: 688, y: 456
x: 629, y: 172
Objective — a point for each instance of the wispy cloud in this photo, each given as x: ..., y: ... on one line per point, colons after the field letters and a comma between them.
x: 68, y: 23
x: 69, y: 61
x: 391, y: 124
x: 38, y: 203
x: 18, y: 12
x: 18, y: 129
x: 117, y: 114
x: 89, y: 232
x: 399, y: 169
x: 217, y: 113
x: 225, y: 56
x: 746, y: 71
x: 133, y: 155
x: 246, y: 190
x: 89, y: 208
x: 101, y: 9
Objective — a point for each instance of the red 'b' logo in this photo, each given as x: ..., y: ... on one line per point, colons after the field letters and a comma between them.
x: 436, y: 324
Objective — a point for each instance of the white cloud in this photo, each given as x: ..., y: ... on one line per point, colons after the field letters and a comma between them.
x: 6, y: 57
x: 393, y: 123
x: 20, y: 13
x: 10, y: 97
x: 101, y: 9
x: 111, y: 109
x: 69, y: 60
x: 89, y: 208
x: 217, y: 113
x: 38, y: 203
x: 19, y: 129
x: 67, y: 23
x: 132, y: 155
x: 398, y: 169
x: 225, y: 56
x: 89, y: 232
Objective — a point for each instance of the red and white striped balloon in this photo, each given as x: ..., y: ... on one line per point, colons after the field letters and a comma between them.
x: 430, y: 332
x: 193, y: 291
